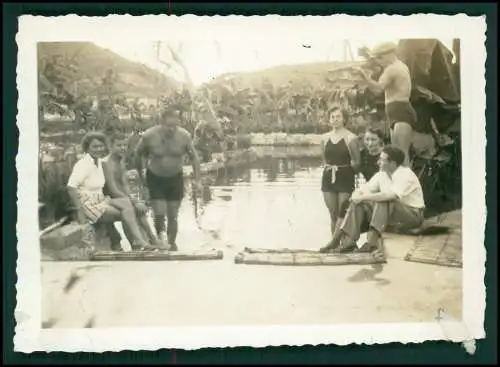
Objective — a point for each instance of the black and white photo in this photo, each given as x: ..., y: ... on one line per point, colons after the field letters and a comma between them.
x: 233, y: 181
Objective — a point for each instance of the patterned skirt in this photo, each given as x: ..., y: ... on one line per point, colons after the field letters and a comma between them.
x: 94, y: 205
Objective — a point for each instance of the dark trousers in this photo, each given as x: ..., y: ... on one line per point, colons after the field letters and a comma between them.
x: 378, y: 215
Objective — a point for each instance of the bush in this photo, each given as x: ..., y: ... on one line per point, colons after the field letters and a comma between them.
x: 243, y: 141
x: 52, y: 189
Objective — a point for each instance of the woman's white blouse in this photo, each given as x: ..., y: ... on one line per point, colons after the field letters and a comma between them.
x: 87, y: 176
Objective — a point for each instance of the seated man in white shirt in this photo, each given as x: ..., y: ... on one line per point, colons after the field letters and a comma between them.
x: 392, y: 196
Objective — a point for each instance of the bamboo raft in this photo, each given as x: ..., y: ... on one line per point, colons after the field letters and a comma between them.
x: 443, y: 250
x: 160, y: 255
x: 297, y: 257
x: 440, y: 241
x: 250, y: 250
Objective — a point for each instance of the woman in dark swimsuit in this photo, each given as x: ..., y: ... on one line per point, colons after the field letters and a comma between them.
x: 341, y: 154
x: 373, y: 140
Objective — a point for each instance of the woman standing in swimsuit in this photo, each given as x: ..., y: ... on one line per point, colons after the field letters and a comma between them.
x: 341, y: 154
x: 373, y: 140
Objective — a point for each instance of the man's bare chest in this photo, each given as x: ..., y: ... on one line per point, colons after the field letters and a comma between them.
x: 118, y: 169
x: 161, y: 146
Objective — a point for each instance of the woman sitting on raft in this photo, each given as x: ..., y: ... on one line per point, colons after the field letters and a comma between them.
x: 85, y: 187
x: 341, y: 154
x: 373, y: 144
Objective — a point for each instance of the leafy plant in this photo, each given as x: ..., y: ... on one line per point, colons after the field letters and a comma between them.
x: 52, y: 188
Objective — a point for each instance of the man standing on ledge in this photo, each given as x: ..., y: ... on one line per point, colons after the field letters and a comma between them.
x: 164, y: 147
x: 395, y: 82
x: 392, y: 197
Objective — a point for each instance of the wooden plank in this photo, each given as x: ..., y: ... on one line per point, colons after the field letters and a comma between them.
x: 307, y: 259
x: 276, y: 251
x: 443, y: 250
x: 160, y: 255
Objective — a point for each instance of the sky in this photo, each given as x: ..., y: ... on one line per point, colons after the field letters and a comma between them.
x: 208, y: 59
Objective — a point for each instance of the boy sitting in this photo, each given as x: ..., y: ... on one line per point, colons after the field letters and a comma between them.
x: 117, y: 185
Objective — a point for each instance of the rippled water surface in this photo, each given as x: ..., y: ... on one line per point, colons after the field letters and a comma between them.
x: 271, y: 203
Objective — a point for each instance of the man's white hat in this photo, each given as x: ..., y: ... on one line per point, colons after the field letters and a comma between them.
x: 383, y: 48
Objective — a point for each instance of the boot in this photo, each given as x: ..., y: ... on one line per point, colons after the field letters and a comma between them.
x: 347, y: 245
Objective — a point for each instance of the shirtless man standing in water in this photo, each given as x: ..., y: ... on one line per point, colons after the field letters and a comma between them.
x: 164, y: 147
x: 395, y: 82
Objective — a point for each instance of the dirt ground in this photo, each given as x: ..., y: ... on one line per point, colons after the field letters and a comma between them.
x: 147, y: 294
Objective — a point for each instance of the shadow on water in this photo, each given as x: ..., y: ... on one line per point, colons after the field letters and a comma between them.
x: 370, y: 275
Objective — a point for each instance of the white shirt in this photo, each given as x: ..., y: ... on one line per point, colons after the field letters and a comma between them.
x: 87, y: 176
x: 404, y: 183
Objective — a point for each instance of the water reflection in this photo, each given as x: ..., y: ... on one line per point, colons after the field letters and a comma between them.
x: 272, y: 202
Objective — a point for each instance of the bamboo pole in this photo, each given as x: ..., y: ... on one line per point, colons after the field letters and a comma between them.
x: 308, y: 259
x: 53, y: 226
x: 277, y: 251
x: 156, y: 256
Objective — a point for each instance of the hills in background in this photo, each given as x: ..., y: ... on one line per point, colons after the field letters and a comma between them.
x: 133, y: 79
x: 299, y: 74
x: 90, y: 63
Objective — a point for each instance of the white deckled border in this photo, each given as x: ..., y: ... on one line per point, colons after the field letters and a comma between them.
x: 471, y: 30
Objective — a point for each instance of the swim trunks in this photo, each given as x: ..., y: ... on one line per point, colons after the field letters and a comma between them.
x: 398, y: 111
x: 165, y: 188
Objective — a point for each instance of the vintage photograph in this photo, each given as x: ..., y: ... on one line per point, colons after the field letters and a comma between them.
x: 186, y: 183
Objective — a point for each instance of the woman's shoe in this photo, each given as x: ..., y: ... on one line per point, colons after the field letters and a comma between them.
x: 159, y: 244
x: 146, y: 247
x: 136, y: 247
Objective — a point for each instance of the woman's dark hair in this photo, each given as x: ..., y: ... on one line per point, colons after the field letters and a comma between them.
x: 394, y: 154
x: 337, y: 107
x: 87, y: 139
x: 376, y: 131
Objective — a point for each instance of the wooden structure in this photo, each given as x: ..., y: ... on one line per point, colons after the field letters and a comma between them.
x: 298, y: 257
x: 159, y: 255
x: 443, y: 248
